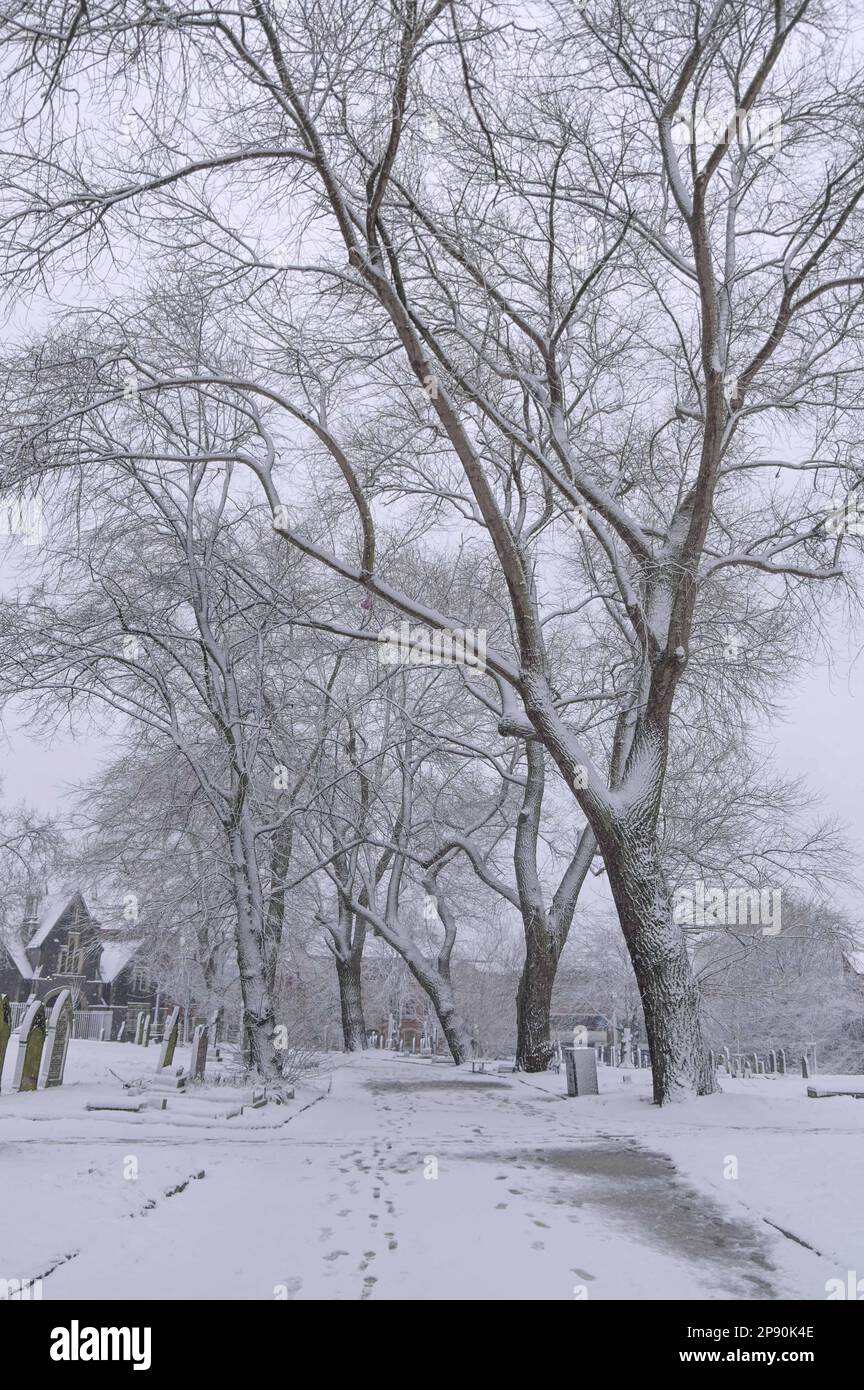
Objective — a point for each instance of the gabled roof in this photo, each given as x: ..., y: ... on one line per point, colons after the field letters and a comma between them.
x: 855, y: 960
x: 115, y: 955
x: 50, y: 912
x: 17, y: 955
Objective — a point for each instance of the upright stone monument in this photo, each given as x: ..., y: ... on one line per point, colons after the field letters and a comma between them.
x: 781, y: 1062
x: 169, y: 1040
x: 145, y: 1031
x: 5, y: 1030
x: 31, y: 1041
x: 200, y: 1039
x: 581, y: 1064
x: 139, y: 1027
x: 57, y: 1040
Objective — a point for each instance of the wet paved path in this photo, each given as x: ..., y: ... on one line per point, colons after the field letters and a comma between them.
x: 418, y: 1182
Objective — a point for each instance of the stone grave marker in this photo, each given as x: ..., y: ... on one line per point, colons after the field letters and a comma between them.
x: 31, y: 1040
x: 805, y: 1067
x: 121, y: 1031
x: 581, y: 1065
x: 5, y: 1028
x: 748, y: 1070
x: 145, y: 1031
x: 772, y: 1062
x: 139, y: 1027
x: 57, y: 1040
x: 169, y: 1040
x: 200, y: 1038
x: 781, y: 1062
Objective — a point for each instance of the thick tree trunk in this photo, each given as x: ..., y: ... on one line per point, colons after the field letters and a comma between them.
x: 534, y: 1047
x: 440, y: 991
x: 351, y: 1002
x: 671, y: 999
x: 259, y: 1019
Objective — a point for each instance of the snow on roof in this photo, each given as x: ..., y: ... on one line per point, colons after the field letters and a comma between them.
x: 115, y: 955
x: 18, y: 956
x: 856, y: 961
x: 51, y: 909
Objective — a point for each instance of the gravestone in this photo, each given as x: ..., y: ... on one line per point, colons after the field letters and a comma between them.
x: 805, y: 1067
x: 145, y: 1031
x: 5, y: 1029
x: 169, y: 1040
x: 626, y: 1049
x: 754, y: 1062
x: 781, y: 1062
x: 727, y: 1061
x: 139, y: 1028
x: 31, y: 1040
x: 121, y: 1031
x: 760, y: 1068
x: 581, y: 1065
x: 772, y: 1061
x: 748, y: 1071
x: 199, y: 1049
x: 57, y: 1040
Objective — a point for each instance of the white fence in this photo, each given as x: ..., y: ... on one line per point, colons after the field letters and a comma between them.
x: 86, y: 1023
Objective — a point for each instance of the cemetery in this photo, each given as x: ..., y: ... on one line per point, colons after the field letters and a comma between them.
x: 170, y: 1127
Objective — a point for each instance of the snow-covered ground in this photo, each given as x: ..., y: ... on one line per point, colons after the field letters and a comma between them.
x: 406, y: 1180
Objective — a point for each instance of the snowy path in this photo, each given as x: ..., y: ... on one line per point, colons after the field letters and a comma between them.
x: 535, y: 1198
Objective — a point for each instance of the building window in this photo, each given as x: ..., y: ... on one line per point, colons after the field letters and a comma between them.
x: 70, y: 960
x: 140, y: 979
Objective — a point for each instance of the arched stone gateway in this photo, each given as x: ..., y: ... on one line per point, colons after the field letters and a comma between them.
x: 31, y: 1041
x: 57, y: 1041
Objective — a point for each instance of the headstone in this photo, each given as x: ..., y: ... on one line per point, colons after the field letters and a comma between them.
x: 121, y: 1031
x: 760, y: 1068
x: 754, y: 1062
x: 805, y: 1067
x: 145, y: 1031
x: 31, y: 1040
x: 727, y: 1058
x: 626, y: 1048
x: 169, y: 1040
x: 781, y: 1062
x: 5, y: 1029
x: 748, y: 1071
x: 139, y: 1028
x: 581, y: 1064
x: 57, y: 1040
x: 772, y: 1062
x: 199, y: 1049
